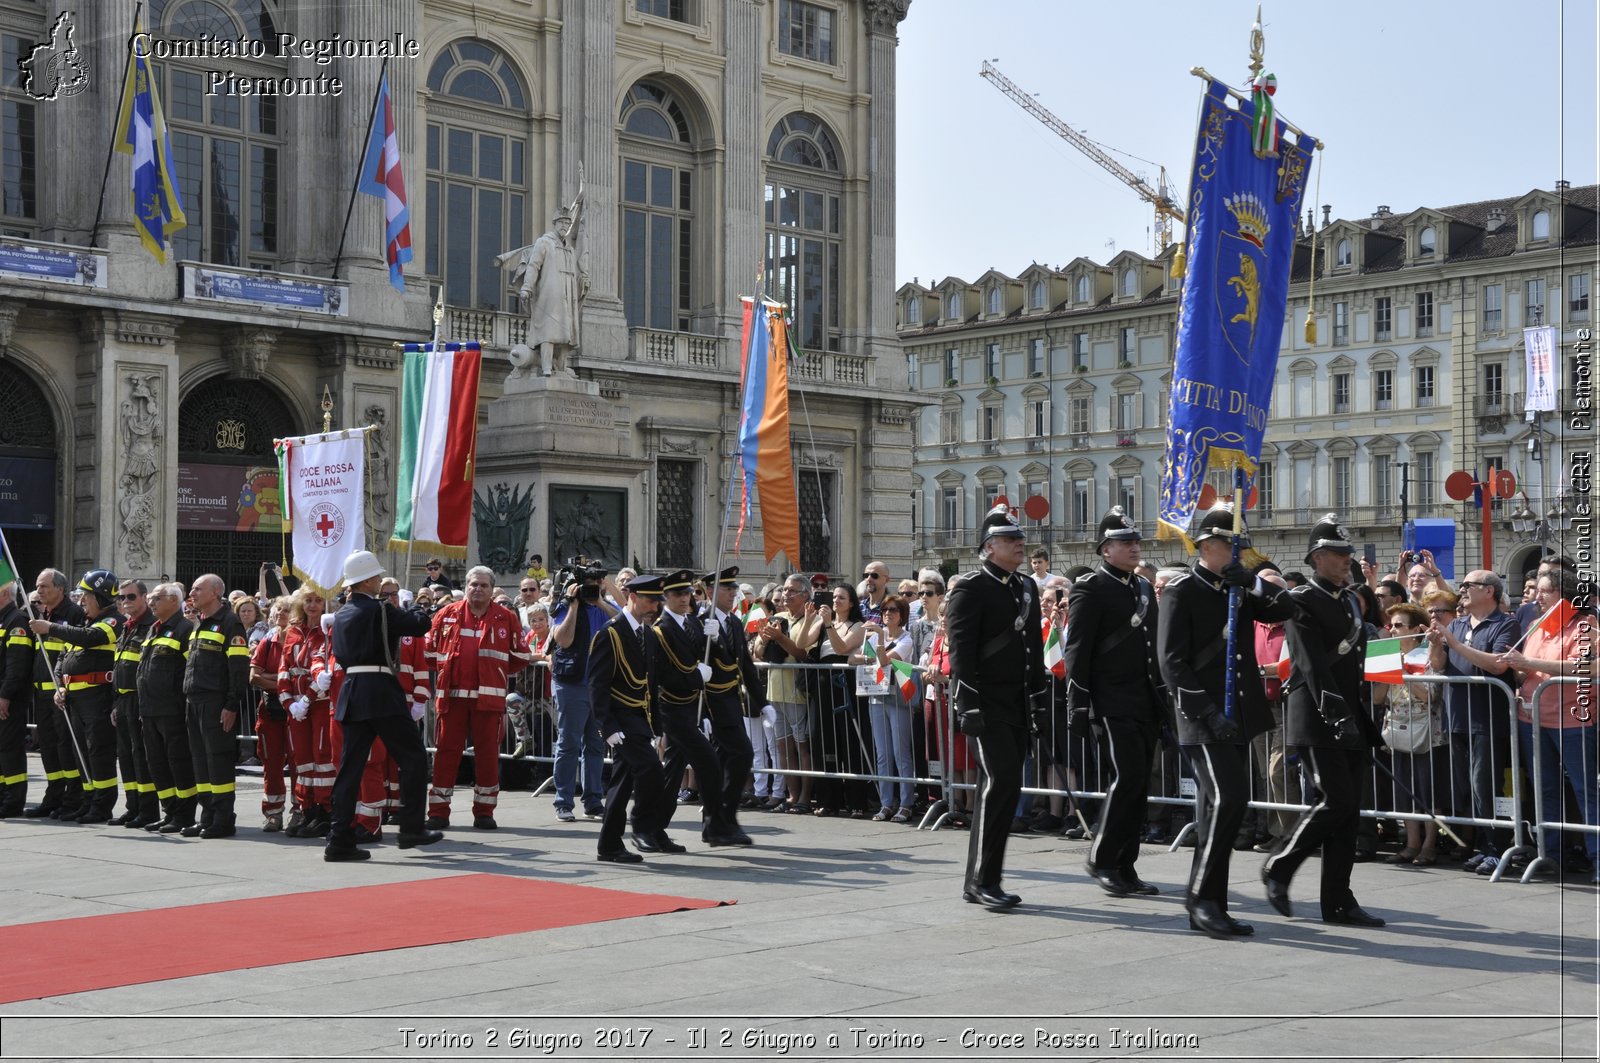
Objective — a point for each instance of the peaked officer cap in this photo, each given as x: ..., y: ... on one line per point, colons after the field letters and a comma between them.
x: 1218, y: 524
x: 647, y: 586
x: 680, y: 580
x: 999, y: 521
x: 1329, y: 535
x: 729, y: 576
x: 1116, y: 525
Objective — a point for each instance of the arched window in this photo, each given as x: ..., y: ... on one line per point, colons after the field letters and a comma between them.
x: 1083, y: 289
x: 226, y: 146
x: 1036, y: 299
x: 914, y: 310
x: 1130, y: 281
x: 1541, y: 225
x: 1344, y: 256
x: 658, y: 187
x: 953, y: 308
x: 805, y: 233
x: 477, y: 173
x: 1425, y: 241
x: 994, y: 300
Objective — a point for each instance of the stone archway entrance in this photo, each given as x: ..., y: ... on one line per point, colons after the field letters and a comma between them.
x: 228, y: 509
x: 29, y: 451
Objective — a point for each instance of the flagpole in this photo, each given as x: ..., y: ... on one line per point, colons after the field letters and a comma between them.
x: 1230, y: 682
x: 38, y: 644
x: 111, y: 148
x: 372, y: 118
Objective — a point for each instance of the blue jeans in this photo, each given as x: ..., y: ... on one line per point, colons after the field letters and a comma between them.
x: 577, y: 734
x: 1569, y: 751
x: 891, y: 740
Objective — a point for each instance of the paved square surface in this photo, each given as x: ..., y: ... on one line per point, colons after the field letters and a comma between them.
x: 849, y: 939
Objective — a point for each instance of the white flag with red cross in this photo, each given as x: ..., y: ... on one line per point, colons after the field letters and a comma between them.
x: 324, y: 502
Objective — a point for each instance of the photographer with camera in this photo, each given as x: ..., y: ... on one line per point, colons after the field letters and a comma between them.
x: 580, y: 611
x: 1422, y: 574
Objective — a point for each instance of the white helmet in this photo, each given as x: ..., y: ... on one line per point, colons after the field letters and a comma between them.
x: 361, y: 565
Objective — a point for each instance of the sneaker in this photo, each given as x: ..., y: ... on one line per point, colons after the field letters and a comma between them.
x: 297, y: 819
x: 594, y: 813
x: 688, y: 797
x: 1473, y: 861
x: 272, y: 823
x: 1487, y: 865
x: 566, y: 815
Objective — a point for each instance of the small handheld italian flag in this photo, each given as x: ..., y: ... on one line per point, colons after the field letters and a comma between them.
x: 754, y: 617
x: 1054, y: 662
x: 905, y: 675
x: 1386, y: 663
x: 1284, y: 664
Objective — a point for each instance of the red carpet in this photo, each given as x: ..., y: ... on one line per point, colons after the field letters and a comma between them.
x: 101, y: 951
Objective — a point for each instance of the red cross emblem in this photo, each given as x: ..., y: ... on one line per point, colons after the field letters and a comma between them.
x: 328, y: 522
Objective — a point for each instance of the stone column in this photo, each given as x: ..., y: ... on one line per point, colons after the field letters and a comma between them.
x: 124, y: 477
x: 743, y: 172
x: 74, y: 130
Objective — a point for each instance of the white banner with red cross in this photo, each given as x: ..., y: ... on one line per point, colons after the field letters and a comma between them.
x: 324, y: 501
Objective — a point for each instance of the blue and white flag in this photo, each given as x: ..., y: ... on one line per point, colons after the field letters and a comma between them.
x: 142, y: 133
x: 1244, y: 213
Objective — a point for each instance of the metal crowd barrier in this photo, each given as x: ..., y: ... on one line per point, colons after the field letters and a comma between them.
x: 1546, y: 820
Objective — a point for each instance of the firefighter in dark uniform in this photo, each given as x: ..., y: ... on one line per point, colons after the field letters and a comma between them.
x: 85, y: 688
x: 63, y: 782
x: 730, y: 663
x: 1327, y: 719
x: 163, y: 660
x: 217, y: 677
x: 1113, y: 677
x: 372, y: 704
x: 681, y: 676
x: 1001, y: 697
x: 16, y: 699
x: 622, y: 664
x: 1192, y: 641
x: 139, y: 792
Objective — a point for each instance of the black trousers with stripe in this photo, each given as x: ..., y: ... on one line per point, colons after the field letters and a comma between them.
x: 1329, y: 825
x: 1001, y: 750
x: 1129, y: 746
x: 1222, y: 797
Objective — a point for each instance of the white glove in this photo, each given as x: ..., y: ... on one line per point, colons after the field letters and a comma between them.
x: 614, y: 740
x: 300, y: 707
x: 705, y: 725
x: 419, y: 709
x: 711, y: 628
x: 323, y: 681
x: 705, y: 672
x: 769, y: 715
x: 327, y: 623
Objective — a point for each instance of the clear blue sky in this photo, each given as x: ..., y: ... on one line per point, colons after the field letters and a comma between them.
x: 1419, y: 102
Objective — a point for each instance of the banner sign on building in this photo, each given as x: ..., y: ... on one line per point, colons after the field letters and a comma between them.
x: 241, y: 498
x: 325, y: 502
x: 53, y: 263
x: 1541, y: 351
x: 27, y: 492
x: 278, y: 291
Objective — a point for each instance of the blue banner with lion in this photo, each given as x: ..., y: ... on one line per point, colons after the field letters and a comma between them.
x: 1243, y: 220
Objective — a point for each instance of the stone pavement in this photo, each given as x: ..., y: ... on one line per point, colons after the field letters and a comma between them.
x: 849, y: 938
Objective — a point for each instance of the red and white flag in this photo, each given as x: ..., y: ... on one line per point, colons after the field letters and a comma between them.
x: 380, y: 176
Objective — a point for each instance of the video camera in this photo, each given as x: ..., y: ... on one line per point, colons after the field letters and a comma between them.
x: 585, y: 573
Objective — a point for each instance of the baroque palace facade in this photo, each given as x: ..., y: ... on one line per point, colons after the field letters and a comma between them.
x: 139, y: 401
x: 1054, y: 383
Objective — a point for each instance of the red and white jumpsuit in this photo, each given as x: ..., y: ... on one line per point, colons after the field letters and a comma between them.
x: 311, y: 739
x: 475, y: 656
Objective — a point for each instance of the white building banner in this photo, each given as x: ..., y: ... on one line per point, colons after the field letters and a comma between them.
x: 324, y: 479
x: 1540, y: 344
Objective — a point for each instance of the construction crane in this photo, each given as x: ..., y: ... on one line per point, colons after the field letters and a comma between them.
x: 1160, y: 197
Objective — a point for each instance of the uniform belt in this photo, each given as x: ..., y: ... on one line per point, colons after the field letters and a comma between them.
x: 367, y: 669
x: 93, y: 679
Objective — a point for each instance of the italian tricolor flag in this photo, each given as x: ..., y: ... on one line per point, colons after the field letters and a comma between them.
x: 754, y: 617
x: 905, y: 675
x: 438, y: 441
x: 1386, y: 663
x: 1053, y: 660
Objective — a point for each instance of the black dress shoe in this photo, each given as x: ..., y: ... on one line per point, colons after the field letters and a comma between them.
x: 484, y: 823
x: 1137, y: 884
x: 666, y: 845
x: 141, y: 822
x: 41, y: 811
x: 1111, y: 881
x: 1277, y: 895
x: 1238, y: 929
x: 154, y: 826
x: 730, y: 837
x: 990, y: 897
x: 93, y: 817
x: 122, y: 820
x: 193, y: 830
x: 1352, y: 915
x: 219, y: 830
x: 338, y: 854
x: 619, y: 856
x: 408, y: 840
x: 1208, y: 918
x: 645, y: 843
x: 362, y: 836
x: 175, y: 827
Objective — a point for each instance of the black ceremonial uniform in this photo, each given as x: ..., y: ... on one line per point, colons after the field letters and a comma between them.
x: 731, y: 663
x: 1192, y: 640
x: 997, y: 677
x: 63, y: 783
x: 216, y: 678
x: 1327, y: 718
x: 620, y: 677
x: 86, y: 673
x: 1112, y: 675
x: 139, y: 791
x: 680, y: 649
x: 366, y: 643
x: 162, y: 662
x: 16, y: 688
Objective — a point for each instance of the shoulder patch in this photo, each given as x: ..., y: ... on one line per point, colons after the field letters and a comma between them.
x: 1085, y: 578
x: 238, y: 640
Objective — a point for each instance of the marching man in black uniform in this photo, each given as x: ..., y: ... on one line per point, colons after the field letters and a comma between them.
x: 85, y: 689
x: 730, y: 662
x: 1192, y: 639
x: 1112, y: 676
x: 1327, y: 719
x: 681, y: 676
x: 366, y: 642
x: 622, y: 663
x: 1001, y: 697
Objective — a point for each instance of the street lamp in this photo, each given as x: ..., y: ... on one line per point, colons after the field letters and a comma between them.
x: 1523, y: 519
